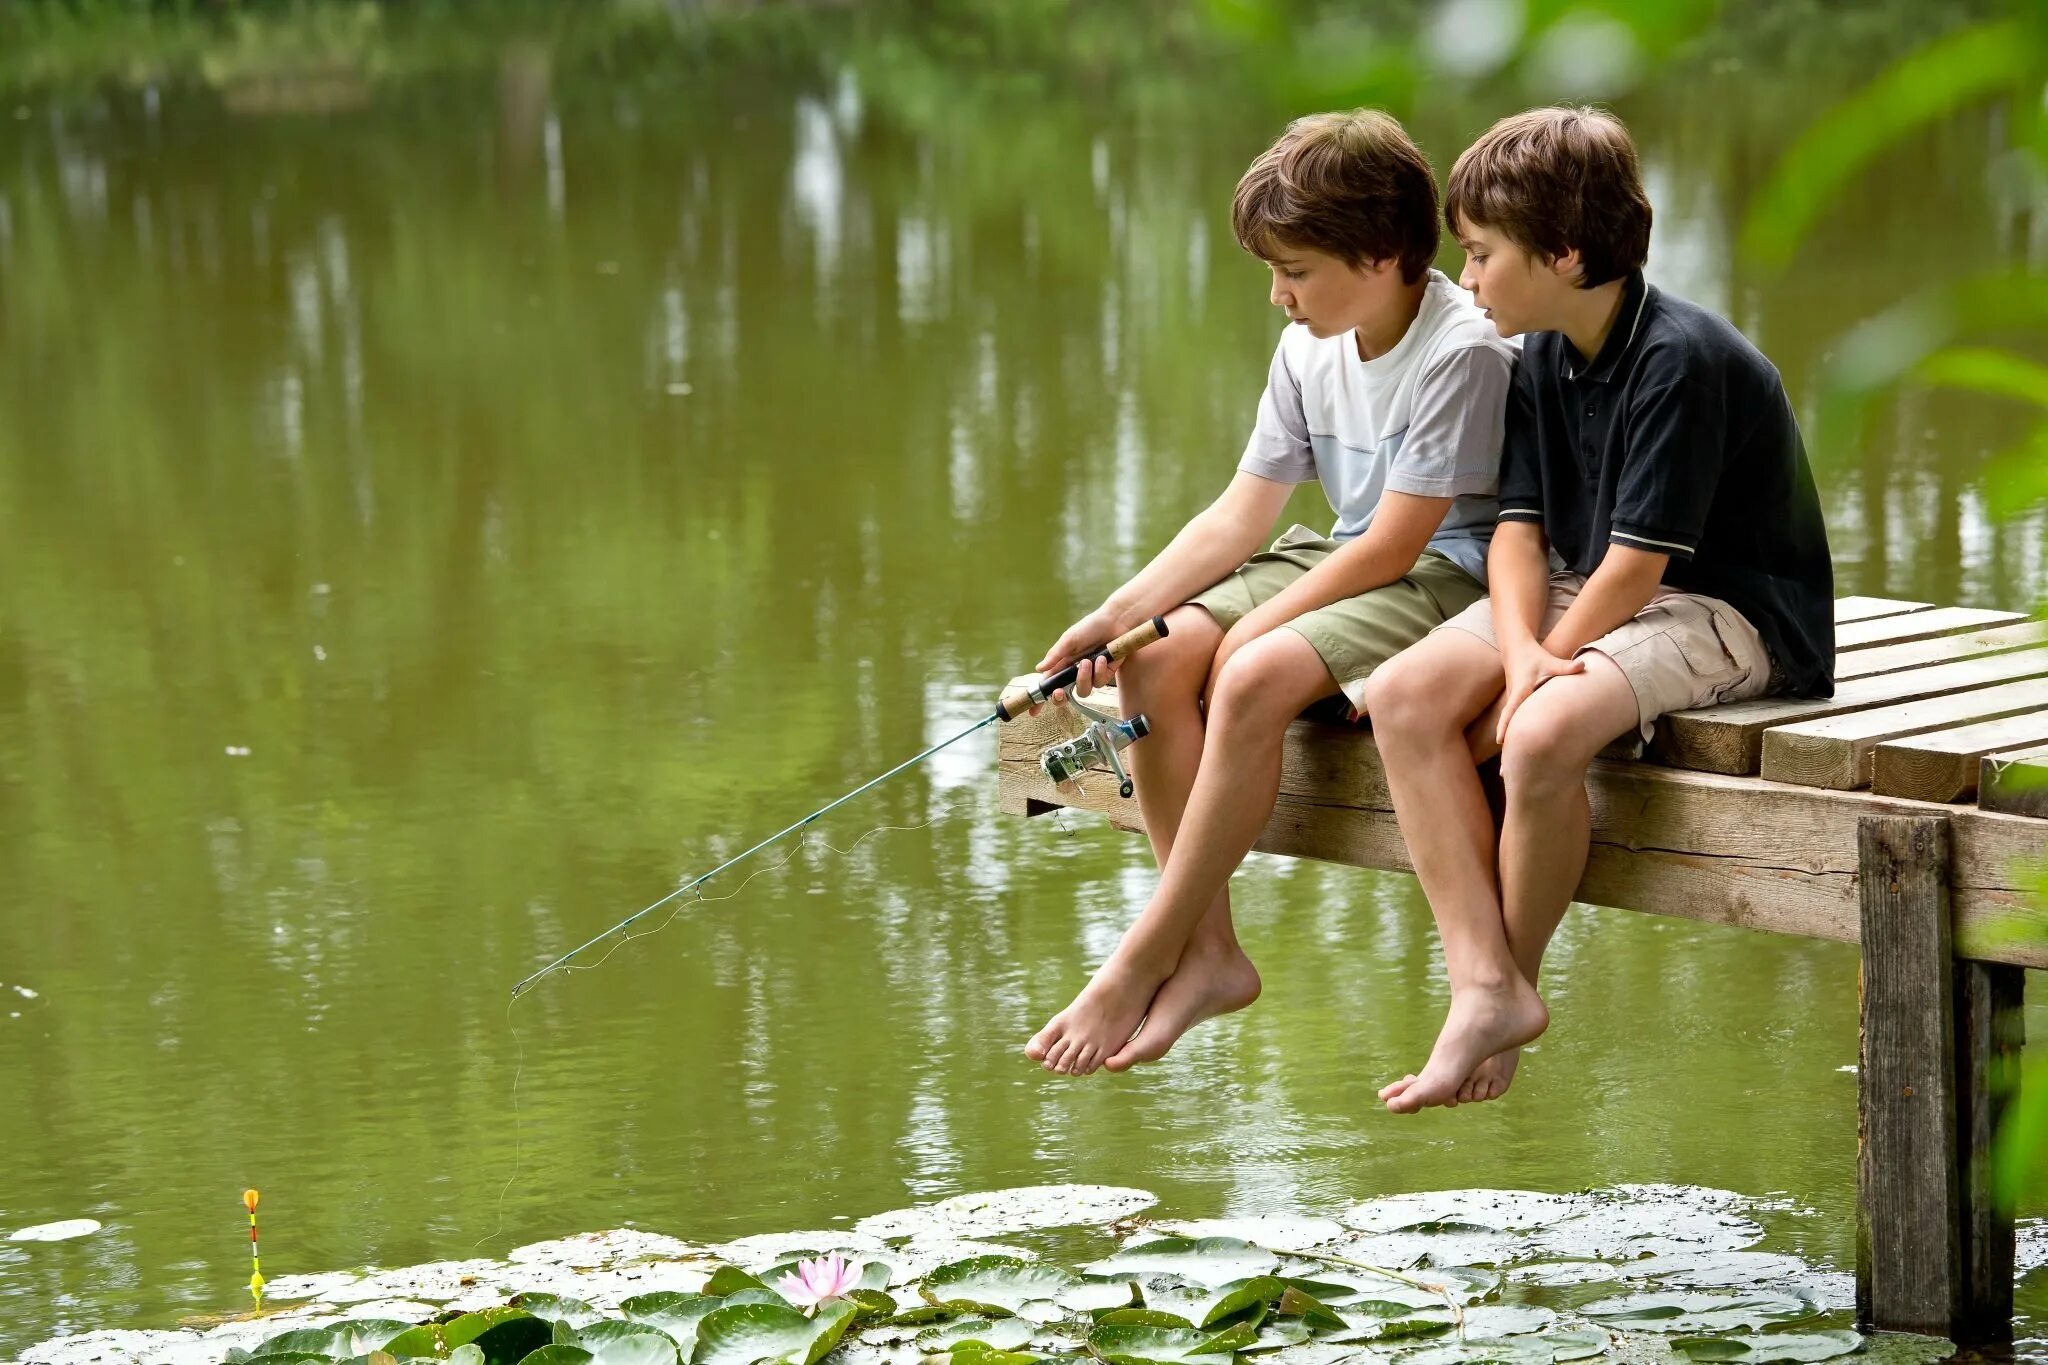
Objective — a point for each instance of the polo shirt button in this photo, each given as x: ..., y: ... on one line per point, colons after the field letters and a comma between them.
x: 1591, y: 410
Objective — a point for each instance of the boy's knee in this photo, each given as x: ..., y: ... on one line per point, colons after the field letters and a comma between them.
x: 1404, y: 692
x: 1541, y: 756
x: 1254, y: 686
x: 1179, y: 663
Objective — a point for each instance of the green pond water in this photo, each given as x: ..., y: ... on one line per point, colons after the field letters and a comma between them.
x: 443, y: 512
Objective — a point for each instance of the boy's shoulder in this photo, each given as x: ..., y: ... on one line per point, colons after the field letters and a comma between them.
x: 1658, y: 338
x: 1449, y: 323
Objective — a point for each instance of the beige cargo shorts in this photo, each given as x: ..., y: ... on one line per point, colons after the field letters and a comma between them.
x: 1680, y: 651
x: 1358, y: 634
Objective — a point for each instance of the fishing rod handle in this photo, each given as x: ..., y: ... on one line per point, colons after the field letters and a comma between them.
x: 1116, y: 651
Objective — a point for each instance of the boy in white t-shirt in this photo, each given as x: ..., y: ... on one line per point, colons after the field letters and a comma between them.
x: 1389, y: 388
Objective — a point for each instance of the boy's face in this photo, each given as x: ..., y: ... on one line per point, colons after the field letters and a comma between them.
x: 1330, y: 296
x: 1519, y: 290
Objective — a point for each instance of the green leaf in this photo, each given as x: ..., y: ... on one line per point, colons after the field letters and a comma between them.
x: 1578, y: 1344
x: 730, y: 1278
x: 1200, y: 1305
x: 1129, y: 1344
x: 1143, y: 1317
x: 1683, y: 1312
x: 471, y: 1354
x: 613, y: 1342
x: 554, y: 1308
x: 975, y: 1353
x: 1920, y: 89
x: 1212, y: 1261
x: 740, y: 1334
x: 1297, y: 1303
x: 996, y: 1285
x: 1786, y: 1346
x: 872, y: 1303
x: 513, y: 1338
x: 1278, y: 1332
x: 294, y: 1358
x: 1003, y: 1334
x: 558, y: 1354
x: 1098, y: 1295
x: 674, y: 1313
x: 339, y: 1340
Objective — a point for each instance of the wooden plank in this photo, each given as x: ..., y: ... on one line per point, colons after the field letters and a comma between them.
x: 1835, y: 751
x: 1727, y: 850
x: 1908, y: 1206
x: 1730, y: 739
x: 2016, y: 783
x: 1942, y: 766
x: 1870, y: 608
x: 1864, y: 663
x: 1919, y: 625
x: 1990, y: 1023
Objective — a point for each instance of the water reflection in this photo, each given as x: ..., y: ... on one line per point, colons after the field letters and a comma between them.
x: 555, y: 487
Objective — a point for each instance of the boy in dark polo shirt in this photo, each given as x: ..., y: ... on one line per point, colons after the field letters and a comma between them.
x: 1652, y: 450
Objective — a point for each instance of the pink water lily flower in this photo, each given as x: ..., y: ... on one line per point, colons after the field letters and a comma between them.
x: 825, y: 1277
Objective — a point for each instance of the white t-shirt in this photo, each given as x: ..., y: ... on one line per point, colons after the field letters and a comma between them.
x: 1425, y: 418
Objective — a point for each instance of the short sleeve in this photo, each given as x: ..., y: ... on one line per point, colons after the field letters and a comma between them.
x: 1521, y: 469
x: 1452, y: 448
x: 1279, y: 447
x: 1677, y: 447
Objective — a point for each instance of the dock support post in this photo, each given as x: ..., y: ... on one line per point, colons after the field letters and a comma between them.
x: 1909, y: 1223
x: 1989, y: 1030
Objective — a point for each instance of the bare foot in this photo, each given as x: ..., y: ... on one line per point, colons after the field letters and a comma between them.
x: 1102, y: 1019
x: 1488, y: 1081
x: 1482, y: 1022
x: 1209, y: 981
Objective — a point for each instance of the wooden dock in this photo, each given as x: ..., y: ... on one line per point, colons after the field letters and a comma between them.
x: 1908, y: 813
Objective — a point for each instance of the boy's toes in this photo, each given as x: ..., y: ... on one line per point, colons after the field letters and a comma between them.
x: 1388, y: 1092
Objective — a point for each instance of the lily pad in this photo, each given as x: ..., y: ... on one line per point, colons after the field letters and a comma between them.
x: 558, y: 1353
x: 1785, y: 1346
x: 1001, y: 1334
x: 1280, y: 1232
x: 1014, y: 1210
x: 440, y: 1338
x: 1650, y: 1221
x: 1130, y: 1344
x: 1494, y: 1210
x: 555, y: 1308
x: 613, y: 1342
x: 1004, y: 1285
x: 1680, y: 1311
x: 1213, y: 1261
x: 56, y: 1232
x: 740, y: 1334
x: 591, y: 1250
x: 1718, y: 1269
x: 772, y: 1248
x: 730, y: 1279
x: 675, y: 1314
x: 1202, y: 1305
x: 1579, y: 1344
x: 1557, y: 1273
x: 1098, y: 1295
x: 341, y: 1339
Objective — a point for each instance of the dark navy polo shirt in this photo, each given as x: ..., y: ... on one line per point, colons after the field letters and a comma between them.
x: 1679, y: 439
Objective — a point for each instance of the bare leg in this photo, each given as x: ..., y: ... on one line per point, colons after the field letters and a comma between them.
x: 1261, y: 690
x: 1164, y: 683
x: 1420, y: 704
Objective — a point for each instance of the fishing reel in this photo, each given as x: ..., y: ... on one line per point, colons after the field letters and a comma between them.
x: 1102, y: 742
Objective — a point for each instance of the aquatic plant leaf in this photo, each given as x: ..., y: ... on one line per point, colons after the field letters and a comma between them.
x: 1579, y: 1344
x: 1493, y: 1210
x: 1277, y: 1333
x: 1214, y: 1261
x: 555, y: 1308
x: 613, y: 1342
x: 728, y: 1279
x: 441, y: 1338
x: 1142, y: 1317
x: 1131, y: 1344
x: 977, y: 1353
x: 294, y: 1358
x: 1001, y: 1334
x: 1098, y: 1295
x: 1424, y: 1324
x: 472, y: 1354
x: 511, y: 1340
x: 1697, y: 1312
x: 1555, y: 1273
x: 339, y: 1340
x: 674, y: 1313
x: 994, y: 1212
x: 872, y: 1303
x: 1786, y: 1346
x: 1298, y: 1303
x: 740, y: 1334
x: 559, y: 1353
x: 1276, y: 1232
x: 1002, y: 1285
x: 1201, y: 1305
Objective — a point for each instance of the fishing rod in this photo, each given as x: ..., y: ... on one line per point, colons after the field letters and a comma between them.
x: 1064, y: 762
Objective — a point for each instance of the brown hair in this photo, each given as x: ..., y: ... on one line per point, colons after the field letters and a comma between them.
x: 1556, y: 179
x: 1351, y: 185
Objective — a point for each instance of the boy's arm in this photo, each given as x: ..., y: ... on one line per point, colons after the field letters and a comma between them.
x: 1387, y: 549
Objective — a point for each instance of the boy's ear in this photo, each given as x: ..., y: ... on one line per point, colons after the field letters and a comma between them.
x: 1568, y: 267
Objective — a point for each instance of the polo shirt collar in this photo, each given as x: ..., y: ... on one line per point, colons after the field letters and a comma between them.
x: 1628, y: 320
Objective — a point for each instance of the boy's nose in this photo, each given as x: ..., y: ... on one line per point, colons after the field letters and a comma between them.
x: 1281, y: 297
x: 1468, y: 279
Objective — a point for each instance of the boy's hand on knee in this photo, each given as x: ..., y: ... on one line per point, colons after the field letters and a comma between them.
x: 1528, y: 670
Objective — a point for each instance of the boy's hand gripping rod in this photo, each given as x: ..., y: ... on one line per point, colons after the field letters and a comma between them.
x: 1011, y: 706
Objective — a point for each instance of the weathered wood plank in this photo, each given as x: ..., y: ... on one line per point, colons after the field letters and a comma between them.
x: 1919, y: 625
x: 1730, y: 739
x: 1865, y: 663
x: 1942, y: 765
x: 2016, y: 783
x: 1870, y: 608
x: 1729, y: 850
x: 1908, y: 1223
x: 1990, y: 1024
x: 1835, y: 751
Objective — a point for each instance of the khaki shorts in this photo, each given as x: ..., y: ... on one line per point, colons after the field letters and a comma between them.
x: 1358, y: 634
x: 1681, y: 651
